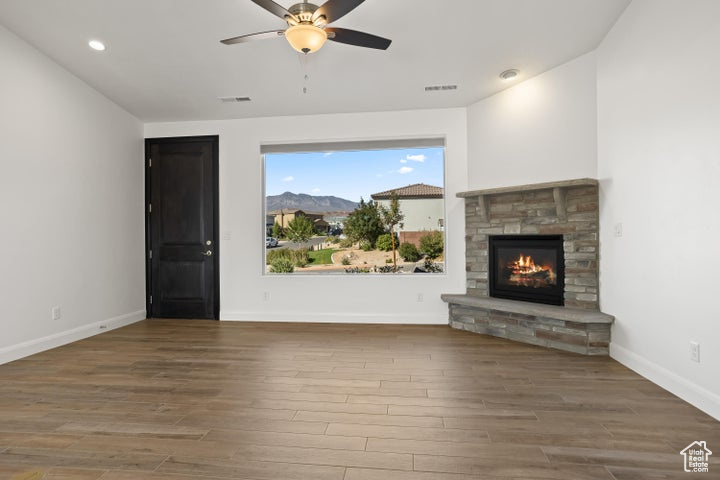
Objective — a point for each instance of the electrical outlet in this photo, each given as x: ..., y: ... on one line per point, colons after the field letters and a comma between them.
x: 56, y: 313
x: 695, y: 352
x: 266, y: 296
x: 420, y: 297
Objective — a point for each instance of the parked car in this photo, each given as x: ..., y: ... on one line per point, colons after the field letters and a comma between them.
x: 271, y: 242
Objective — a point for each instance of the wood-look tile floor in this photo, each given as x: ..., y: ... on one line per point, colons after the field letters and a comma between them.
x: 182, y: 400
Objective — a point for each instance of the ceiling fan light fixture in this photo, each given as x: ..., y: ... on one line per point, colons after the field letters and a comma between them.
x: 306, y: 38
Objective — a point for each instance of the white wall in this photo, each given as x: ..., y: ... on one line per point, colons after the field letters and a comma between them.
x: 419, y: 213
x: 71, y: 196
x: 348, y: 298
x: 659, y: 166
x: 540, y: 130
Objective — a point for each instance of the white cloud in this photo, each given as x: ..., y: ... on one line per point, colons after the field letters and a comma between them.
x: 416, y: 158
x: 379, y: 175
x: 403, y: 161
x: 315, y: 190
x: 327, y: 154
x: 288, y: 179
x: 405, y: 170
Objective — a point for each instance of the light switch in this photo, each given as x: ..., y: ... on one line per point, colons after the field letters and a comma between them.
x: 619, y: 229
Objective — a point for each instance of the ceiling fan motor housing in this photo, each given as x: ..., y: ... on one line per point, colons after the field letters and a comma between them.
x: 304, y: 13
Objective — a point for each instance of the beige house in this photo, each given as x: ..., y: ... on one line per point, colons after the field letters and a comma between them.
x: 284, y: 216
x: 423, y: 207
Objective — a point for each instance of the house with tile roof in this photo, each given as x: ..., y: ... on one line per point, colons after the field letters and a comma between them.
x: 284, y: 216
x: 423, y: 206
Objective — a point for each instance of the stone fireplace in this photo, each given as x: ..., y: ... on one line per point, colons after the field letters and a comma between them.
x: 532, y: 266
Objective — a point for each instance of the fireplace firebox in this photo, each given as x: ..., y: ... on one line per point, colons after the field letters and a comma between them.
x: 530, y: 268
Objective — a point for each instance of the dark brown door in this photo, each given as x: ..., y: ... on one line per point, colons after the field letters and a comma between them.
x: 182, y: 211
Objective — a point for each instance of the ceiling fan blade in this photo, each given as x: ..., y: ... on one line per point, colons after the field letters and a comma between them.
x: 253, y: 36
x: 334, y: 9
x: 360, y: 39
x: 273, y: 8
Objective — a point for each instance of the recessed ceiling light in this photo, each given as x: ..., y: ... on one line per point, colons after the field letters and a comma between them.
x: 509, y: 74
x: 97, y: 45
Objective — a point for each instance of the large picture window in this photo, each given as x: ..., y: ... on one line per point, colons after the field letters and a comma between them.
x: 375, y: 208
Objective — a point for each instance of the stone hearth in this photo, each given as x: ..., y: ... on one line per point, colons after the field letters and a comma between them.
x: 568, y: 208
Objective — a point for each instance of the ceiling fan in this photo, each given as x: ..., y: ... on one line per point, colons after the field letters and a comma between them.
x: 308, y: 26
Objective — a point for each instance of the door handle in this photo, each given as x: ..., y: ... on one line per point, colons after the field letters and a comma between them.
x: 208, y: 253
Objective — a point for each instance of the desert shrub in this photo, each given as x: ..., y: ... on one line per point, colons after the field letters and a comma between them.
x: 388, y: 260
x: 431, y: 244
x: 409, y: 252
x: 384, y: 242
x: 365, y: 246
x: 389, y: 269
x: 432, y: 267
x: 282, y: 265
x: 345, y: 261
x: 298, y: 258
x: 357, y: 270
x: 346, y: 243
x: 273, y: 255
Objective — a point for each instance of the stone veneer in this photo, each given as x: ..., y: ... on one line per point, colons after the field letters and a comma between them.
x: 569, y: 329
x: 570, y: 208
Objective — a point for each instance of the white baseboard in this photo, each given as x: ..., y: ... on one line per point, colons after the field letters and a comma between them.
x: 344, y: 317
x: 692, y: 393
x: 31, y: 347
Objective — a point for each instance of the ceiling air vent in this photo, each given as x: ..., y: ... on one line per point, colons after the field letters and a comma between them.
x: 234, y: 99
x: 440, y: 88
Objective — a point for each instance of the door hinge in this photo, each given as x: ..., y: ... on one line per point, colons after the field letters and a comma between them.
x: 150, y: 254
x: 149, y: 162
x: 150, y: 298
x: 149, y: 207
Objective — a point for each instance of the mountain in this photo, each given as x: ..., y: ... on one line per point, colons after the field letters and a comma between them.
x: 309, y: 203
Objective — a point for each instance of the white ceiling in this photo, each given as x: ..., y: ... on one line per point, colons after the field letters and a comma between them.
x: 164, y: 61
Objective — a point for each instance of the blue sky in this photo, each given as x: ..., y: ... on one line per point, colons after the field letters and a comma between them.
x: 352, y: 174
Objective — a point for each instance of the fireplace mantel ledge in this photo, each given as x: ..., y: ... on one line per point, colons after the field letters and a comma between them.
x: 577, y: 315
x: 559, y: 193
x: 580, y: 182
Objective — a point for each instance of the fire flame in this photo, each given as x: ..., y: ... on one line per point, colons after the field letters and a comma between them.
x: 525, y: 265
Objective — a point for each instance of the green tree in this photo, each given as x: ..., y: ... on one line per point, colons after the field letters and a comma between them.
x: 300, y: 229
x: 431, y: 244
x: 278, y: 231
x: 364, y: 223
x: 392, y: 216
